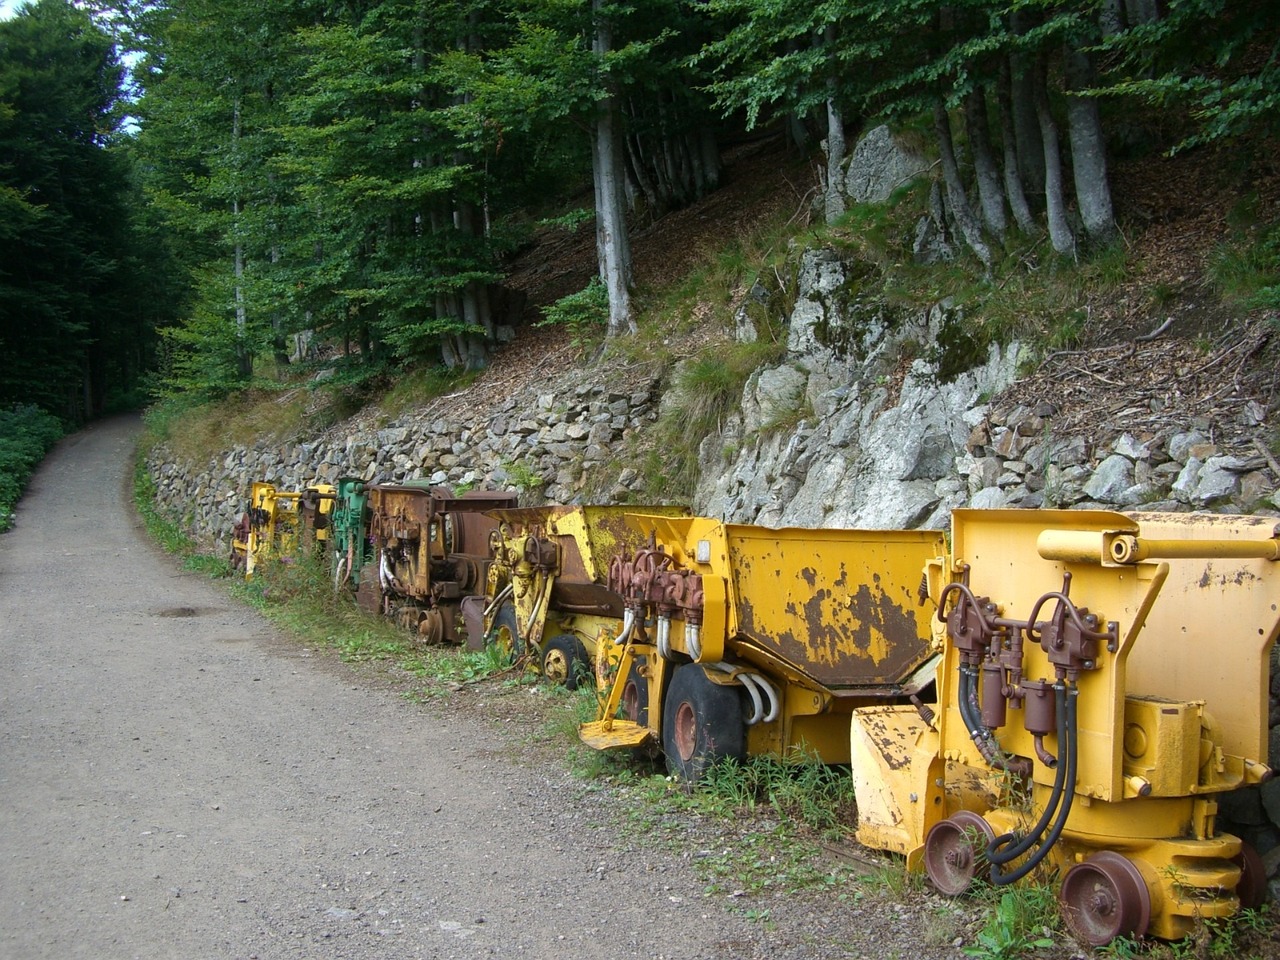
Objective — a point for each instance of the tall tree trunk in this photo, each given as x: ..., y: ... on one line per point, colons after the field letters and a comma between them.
x: 1060, y: 235
x: 969, y: 226
x: 1025, y: 122
x: 711, y: 166
x: 990, y: 191
x: 1088, y: 150
x: 278, y: 344
x: 1013, y: 190
x: 613, y: 245
x: 1142, y: 11
x: 834, y: 205
x: 1111, y: 17
x: 244, y: 357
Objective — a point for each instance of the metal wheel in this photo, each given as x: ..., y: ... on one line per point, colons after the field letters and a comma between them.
x: 431, y: 626
x: 954, y: 851
x: 1252, y: 888
x: 506, y: 633
x: 1103, y: 898
x: 565, y: 661
x: 635, y: 697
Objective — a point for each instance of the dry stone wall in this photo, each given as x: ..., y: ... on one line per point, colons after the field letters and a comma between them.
x: 552, y: 446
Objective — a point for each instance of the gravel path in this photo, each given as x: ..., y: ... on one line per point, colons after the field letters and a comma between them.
x: 176, y: 781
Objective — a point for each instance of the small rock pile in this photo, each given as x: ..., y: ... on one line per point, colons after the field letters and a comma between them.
x: 1012, y: 459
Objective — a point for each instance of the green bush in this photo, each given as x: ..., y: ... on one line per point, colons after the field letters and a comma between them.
x: 26, y: 434
x: 585, y: 313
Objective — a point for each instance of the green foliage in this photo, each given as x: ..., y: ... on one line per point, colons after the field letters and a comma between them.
x: 167, y: 532
x: 706, y: 389
x: 585, y: 313
x: 1017, y: 926
x: 1246, y: 268
x: 83, y: 280
x: 1213, y: 58
x: 570, y: 221
x: 26, y: 434
x: 798, y: 788
x: 522, y: 475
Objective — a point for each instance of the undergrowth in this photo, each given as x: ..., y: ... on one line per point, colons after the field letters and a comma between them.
x: 26, y: 435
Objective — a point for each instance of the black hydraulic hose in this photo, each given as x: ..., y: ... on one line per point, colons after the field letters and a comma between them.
x: 998, y: 850
x: 1064, y: 808
x: 970, y: 713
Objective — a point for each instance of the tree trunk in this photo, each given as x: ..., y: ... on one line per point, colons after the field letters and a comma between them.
x: 990, y: 191
x: 1025, y: 122
x: 613, y: 245
x: 244, y: 357
x: 1142, y: 11
x: 711, y: 167
x: 834, y: 205
x: 969, y: 226
x: 1111, y: 17
x: 278, y: 344
x: 1013, y: 190
x: 1088, y: 150
x: 1060, y: 235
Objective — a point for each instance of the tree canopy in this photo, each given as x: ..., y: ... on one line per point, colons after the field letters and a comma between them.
x: 82, y: 288
x: 355, y: 174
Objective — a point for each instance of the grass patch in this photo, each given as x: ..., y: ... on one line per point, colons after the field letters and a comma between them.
x: 196, y: 430
x: 167, y: 532
x: 414, y: 388
x: 1022, y: 921
x: 706, y: 389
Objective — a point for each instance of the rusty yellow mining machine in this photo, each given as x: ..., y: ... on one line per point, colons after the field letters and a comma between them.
x: 430, y: 552
x: 1104, y: 680
x: 548, y: 596
x: 741, y: 640
x: 277, y: 522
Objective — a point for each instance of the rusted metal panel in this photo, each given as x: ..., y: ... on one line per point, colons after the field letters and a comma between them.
x: 840, y: 606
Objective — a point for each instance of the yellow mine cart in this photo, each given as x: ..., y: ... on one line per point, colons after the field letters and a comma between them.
x: 740, y: 640
x: 1104, y: 680
x: 276, y: 522
x: 547, y: 595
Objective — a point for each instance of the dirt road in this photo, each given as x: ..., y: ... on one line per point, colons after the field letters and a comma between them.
x: 175, y: 781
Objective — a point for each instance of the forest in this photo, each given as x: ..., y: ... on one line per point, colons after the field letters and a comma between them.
x: 196, y: 195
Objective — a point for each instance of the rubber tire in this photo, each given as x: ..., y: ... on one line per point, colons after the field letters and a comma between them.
x: 636, y: 690
x: 506, y: 617
x: 568, y: 650
x: 705, y: 718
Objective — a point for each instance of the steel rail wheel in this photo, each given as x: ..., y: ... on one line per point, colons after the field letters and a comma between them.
x: 954, y: 851
x: 565, y: 661
x: 1103, y: 898
x: 1252, y: 887
x: 702, y: 722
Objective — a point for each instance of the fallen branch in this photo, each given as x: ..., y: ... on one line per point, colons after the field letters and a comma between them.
x: 1156, y: 332
x: 1271, y: 461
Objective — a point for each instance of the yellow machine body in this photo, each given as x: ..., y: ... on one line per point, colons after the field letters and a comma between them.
x: 1162, y: 626
x: 814, y: 622
x: 277, y: 521
x: 550, y: 567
